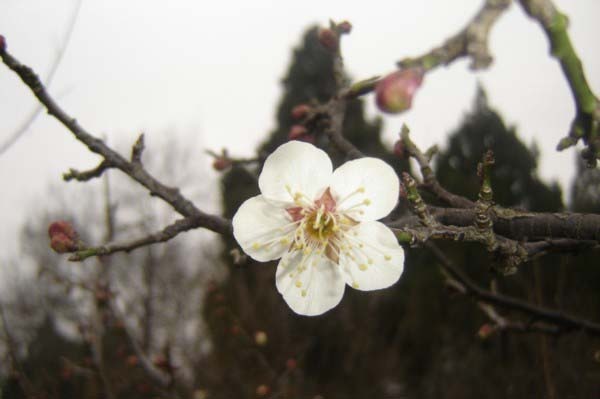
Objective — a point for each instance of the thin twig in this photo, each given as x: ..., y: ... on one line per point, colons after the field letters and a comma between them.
x: 28, y: 121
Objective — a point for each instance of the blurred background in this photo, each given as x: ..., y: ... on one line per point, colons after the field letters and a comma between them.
x: 195, y: 76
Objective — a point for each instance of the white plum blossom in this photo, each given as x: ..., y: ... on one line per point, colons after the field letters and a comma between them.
x: 322, y: 224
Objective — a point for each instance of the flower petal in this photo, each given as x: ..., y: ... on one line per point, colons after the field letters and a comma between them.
x: 295, y: 167
x: 372, y: 258
x: 366, y: 188
x: 310, y: 284
x: 262, y: 229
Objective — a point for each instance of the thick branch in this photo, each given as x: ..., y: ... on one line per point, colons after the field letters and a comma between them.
x: 133, y: 169
x: 518, y: 225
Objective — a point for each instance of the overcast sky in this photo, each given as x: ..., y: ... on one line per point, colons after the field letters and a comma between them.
x: 211, y: 71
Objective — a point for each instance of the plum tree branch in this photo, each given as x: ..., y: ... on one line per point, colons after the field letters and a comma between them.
x: 133, y: 169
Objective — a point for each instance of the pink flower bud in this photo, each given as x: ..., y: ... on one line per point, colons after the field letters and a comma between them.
x: 221, y: 163
x: 300, y: 111
x: 2, y: 44
x: 297, y: 131
x: 345, y: 27
x: 62, y: 227
x: 328, y: 39
x: 485, y: 331
x: 395, y: 92
x: 61, y: 244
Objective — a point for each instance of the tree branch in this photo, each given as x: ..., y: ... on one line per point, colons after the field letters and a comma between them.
x: 566, y: 322
x: 133, y: 169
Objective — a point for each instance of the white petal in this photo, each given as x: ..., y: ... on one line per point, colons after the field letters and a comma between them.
x: 295, y: 167
x: 262, y: 229
x: 372, y: 258
x: 366, y: 185
x: 311, y: 285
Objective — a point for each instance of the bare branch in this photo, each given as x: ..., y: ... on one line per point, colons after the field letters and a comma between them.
x: 566, y: 322
x: 164, y: 235
x: 28, y: 121
x: 471, y: 41
x: 134, y: 170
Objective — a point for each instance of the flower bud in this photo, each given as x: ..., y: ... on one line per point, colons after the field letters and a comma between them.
x: 61, y: 244
x: 395, y: 92
x: 262, y: 390
x: 328, y: 39
x: 485, y: 331
x: 261, y: 338
x: 132, y: 360
x: 296, y: 132
x: 300, y: 111
x: 344, y: 27
x: 62, y: 227
x: 2, y: 44
x: 221, y: 163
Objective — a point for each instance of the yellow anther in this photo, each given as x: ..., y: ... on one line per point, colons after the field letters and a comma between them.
x: 370, y: 261
x: 361, y: 245
x: 355, y: 285
x: 362, y: 267
x: 387, y: 257
x: 367, y: 201
x: 298, y: 284
x: 256, y: 246
x: 284, y: 241
x: 303, y: 292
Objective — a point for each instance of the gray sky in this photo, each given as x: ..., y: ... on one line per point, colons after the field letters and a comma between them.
x: 211, y: 70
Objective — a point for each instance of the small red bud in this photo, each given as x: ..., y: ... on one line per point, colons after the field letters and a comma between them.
x: 61, y: 244
x: 291, y: 364
x: 2, y: 44
x: 345, y: 27
x: 300, y: 111
x: 62, y: 227
x: 328, y: 39
x: 235, y: 330
x: 262, y: 390
x: 400, y: 149
x: 395, y: 92
x: 296, y: 132
x: 132, y: 360
x: 221, y: 163
x: 485, y: 331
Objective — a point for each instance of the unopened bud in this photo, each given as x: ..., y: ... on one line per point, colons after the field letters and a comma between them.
x: 395, y: 92
x: 2, y: 44
x: 328, y: 39
x: 132, y: 360
x: 261, y: 338
x: 61, y: 244
x: 485, y: 331
x: 344, y: 27
x: 262, y: 390
x: 62, y: 227
x: 297, y: 131
x: 221, y: 163
x: 300, y: 111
